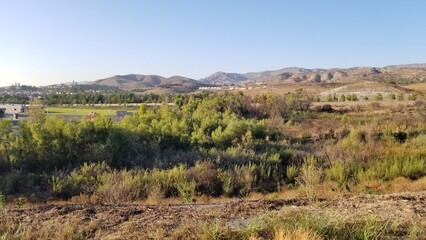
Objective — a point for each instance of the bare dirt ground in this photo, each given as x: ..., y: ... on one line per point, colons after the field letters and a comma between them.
x: 134, y: 221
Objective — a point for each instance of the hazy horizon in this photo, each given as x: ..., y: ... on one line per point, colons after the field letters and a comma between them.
x: 50, y: 42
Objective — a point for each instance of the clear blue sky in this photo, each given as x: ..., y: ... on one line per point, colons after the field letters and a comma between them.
x: 44, y: 42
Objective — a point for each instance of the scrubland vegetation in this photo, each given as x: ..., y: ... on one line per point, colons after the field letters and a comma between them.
x: 222, y: 146
x: 212, y: 145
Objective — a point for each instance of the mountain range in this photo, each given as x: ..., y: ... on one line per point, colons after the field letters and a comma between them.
x: 410, y: 73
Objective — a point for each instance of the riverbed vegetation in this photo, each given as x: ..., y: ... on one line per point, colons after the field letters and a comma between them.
x: 214, y: 145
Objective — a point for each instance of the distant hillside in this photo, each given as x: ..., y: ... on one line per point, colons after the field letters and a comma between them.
x: 219, y: 78
x: 400, y: 74
x: 290, y: 70
x: 395, y: 74
x: 148, y: 82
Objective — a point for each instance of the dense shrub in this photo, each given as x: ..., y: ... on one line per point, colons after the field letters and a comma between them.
x: 120, y: 187
x: 206, y: 177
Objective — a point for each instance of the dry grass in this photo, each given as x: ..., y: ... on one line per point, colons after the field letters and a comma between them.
x: 85, y: 199
x: 206, y: 199
x: 329, y: 220
x: 401, y: 184
x: 10, y: 229
x: 198, y: 199
x: 421, y: 87
x: 160, y: 201
x: 327, y: 189
x: 298, y: 234
x: 290, y: 193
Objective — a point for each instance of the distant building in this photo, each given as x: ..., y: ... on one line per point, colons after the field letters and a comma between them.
x: 13, y: 108
x: 210, y: 88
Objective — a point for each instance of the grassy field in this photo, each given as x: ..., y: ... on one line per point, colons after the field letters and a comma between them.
x: 86, y: 110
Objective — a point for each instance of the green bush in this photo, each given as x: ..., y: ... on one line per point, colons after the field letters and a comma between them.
x: 206, y: 177
x: 186, y: 190
x: 58, y: 185
x: 412, y: 97
x: 162, y: 183
x: 228, y: 186
x: 21, y: 201
x: 85, y: 179
x: 378, y: 97
x: 291, y: 173
x: 244, y: 178
x: 341, y: 173
x: 120, y: 187
x: 352, y: 97
x: 391, y: 167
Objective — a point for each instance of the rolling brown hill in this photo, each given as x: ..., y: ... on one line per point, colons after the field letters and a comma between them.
x: 400, y: 74
x: 219, y: 78
x: 149, y: 82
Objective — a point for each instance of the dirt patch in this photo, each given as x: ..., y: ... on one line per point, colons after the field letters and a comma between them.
x: 134, y: 221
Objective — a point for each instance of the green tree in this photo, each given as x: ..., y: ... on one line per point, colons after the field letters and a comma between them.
x: 36, y: 112
x: 142, y: 109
